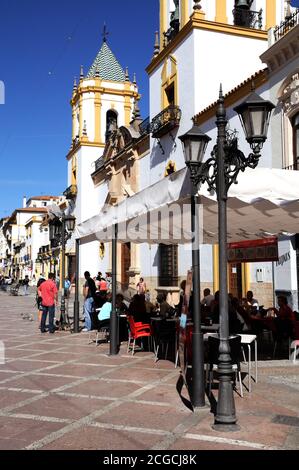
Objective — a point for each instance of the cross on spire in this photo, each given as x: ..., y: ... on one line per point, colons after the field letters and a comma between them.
x: 105, y: 33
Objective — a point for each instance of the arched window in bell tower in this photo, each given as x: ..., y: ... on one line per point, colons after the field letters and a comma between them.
x: 174, y: 21
x: 244, y: 15
x: 111, y: 122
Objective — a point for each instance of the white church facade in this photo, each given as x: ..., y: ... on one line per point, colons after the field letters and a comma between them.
x: 115, y: 154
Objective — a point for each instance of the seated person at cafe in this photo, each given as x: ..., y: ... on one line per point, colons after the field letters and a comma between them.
x: 179, y: 306
x: 235, y: 324
x: 163, y: 305
x: 122, y: 308
x: 242, y: 315
x: 105, y: 312
x: 100, y: 299
x: 215, y: 308
x: 150, y: 307
x: 137, y: 309
x: 284, y: 322
x: 208, y: 298
x: 251, y: 302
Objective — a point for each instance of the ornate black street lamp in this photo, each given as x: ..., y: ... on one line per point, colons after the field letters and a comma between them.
x: 61, y: 229
x: 195, y: 143
x: 220, y: 172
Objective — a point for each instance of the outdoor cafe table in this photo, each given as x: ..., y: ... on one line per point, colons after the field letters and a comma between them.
x: 205, y: 328
x: 246, y: 340
x: 210, y: 328
x: 157, y: 320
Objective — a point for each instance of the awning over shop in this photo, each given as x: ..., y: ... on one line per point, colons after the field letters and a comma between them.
x: 264, y: 203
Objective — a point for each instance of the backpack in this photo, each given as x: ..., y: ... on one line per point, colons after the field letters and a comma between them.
x: 40, y: 281
x: 171, y: 312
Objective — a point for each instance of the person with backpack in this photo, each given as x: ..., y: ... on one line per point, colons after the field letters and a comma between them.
x: 39, y: 300
x: 49, y: 293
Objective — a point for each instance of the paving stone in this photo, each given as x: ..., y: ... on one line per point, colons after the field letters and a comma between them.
x: 267, y: 417
x: 196, y: 445
x: 254, y: 428
x: 39, y: 382
x: 144, y: 416
x: 25, y: 366
x: 78, y: 370
x: 143, y: 375
x: 105, y: 389
x: 63, y: 407
x: 12, y: 398
x: 90, y: 438
x: 17, y: 433
x: 163, y: 394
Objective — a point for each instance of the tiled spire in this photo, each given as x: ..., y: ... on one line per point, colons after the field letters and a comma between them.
x: 106, y: 66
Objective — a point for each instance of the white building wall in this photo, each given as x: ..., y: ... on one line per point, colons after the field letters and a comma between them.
x: 286, y: 270
x: 229, y: 60
x: 89, y: 115
x: 37, y: 240
x: 278, y: 122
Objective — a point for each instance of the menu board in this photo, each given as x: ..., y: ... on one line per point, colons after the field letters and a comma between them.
x: 253, y: 251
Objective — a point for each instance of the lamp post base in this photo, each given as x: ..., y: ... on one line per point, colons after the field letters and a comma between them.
x: 198, y: 374
x: 226, y: 427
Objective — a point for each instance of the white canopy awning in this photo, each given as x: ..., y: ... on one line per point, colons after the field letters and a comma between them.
x: 265, y: 202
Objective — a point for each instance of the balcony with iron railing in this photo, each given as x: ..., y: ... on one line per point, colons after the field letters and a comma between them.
x: 294, y: 167
x: 99, y: 164
x: 44, y: 250
x: 165, y: 121
x: 285, y: 26
x: 145, y: 127
x: 248, y: 18
x: 71, y: 192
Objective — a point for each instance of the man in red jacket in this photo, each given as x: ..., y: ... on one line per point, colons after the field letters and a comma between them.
x: 49, y: 295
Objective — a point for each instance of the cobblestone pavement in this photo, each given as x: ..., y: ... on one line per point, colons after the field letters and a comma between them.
x: 59, y: 392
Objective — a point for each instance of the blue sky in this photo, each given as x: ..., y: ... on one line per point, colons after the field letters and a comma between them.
x: 43, y: 44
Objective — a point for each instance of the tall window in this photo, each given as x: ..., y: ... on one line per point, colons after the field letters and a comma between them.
x: 168, y: 265
x: 170, y: 94
x: 295, y: 124
x: 111, y: 123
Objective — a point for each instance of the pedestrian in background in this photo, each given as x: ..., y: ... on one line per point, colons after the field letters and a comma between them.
x: 89, y: 291
x: 26, y: 285
x: 49, y: 294
x: 141, y: 287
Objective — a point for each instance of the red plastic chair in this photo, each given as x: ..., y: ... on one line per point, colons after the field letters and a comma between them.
x: 137, y: 330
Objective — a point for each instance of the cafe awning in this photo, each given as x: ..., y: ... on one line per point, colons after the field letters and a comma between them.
x: 265, y: 202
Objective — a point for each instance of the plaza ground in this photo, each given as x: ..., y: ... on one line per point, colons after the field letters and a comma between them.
x: 59, y: 392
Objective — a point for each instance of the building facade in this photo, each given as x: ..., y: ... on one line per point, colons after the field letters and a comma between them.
x: 199, y: 45
x: 102, y: 102
x: 24, y: 239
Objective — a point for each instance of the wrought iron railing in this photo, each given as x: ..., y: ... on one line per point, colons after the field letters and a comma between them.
x: 165, y: 121
x: 248, y: 18
x: 71, y: 192
x: 44, y: 249
x: 294, y: 167
x: 99, y: 164
x: 289, y: 23
x: 145, y: 127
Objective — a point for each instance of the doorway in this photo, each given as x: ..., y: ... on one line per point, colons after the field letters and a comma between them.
x: 235, y: 280
x: 125, y: 263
